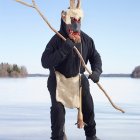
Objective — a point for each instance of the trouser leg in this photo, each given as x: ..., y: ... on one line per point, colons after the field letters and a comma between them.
x: 57, y: 121
x: 88, y: 108
x: 57, y: 112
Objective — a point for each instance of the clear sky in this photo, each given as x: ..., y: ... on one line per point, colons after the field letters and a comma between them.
x: 114, y: 26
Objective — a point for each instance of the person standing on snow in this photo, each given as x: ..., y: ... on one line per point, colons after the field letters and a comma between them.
x: 61, y: 60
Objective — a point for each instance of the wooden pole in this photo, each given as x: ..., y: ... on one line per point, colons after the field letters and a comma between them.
x: 76, y: 50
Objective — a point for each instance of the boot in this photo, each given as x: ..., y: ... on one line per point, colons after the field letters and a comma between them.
x: 92, y: 138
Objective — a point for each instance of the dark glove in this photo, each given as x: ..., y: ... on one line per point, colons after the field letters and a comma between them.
x: 95, y: 76
x: 66, y: 48
x: 69, y: 44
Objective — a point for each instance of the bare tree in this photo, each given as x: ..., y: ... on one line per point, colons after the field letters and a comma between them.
x: 23, y: 71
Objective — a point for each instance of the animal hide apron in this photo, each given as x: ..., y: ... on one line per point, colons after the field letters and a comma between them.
x: 68, y: 90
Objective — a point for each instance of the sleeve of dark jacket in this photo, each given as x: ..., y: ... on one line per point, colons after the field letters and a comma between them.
x: 54, y: 53
x: 94, y: 58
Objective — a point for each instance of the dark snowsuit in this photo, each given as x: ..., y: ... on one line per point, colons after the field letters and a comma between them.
x: 63, y: 59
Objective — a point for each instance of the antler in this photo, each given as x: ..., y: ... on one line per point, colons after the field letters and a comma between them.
x: 78, y: 53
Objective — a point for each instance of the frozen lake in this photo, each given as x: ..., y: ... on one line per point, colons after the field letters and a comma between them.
x: 25, y: 110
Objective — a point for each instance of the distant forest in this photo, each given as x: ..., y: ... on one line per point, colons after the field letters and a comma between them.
x: 8, y: 70
x: 136, y: 72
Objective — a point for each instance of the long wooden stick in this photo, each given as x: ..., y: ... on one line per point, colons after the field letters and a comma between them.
x: 81, y: 58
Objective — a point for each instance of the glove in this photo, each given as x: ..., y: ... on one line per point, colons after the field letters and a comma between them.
x: 66, y: 48
x: 95, y: 76
x: 69, y: 44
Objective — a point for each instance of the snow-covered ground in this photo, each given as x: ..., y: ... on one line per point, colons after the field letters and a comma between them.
x: 25, y: 110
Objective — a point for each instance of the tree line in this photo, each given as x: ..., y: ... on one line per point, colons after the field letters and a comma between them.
x: 12, y: 70
x: 136, y: 72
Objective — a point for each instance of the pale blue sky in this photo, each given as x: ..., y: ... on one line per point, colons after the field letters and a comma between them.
x: 113, y: 24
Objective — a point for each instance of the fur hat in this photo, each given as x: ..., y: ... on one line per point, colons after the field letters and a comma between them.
x: 74, y: 11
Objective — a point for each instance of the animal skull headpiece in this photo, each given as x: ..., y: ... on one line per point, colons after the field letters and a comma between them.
x: 74, y: 11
